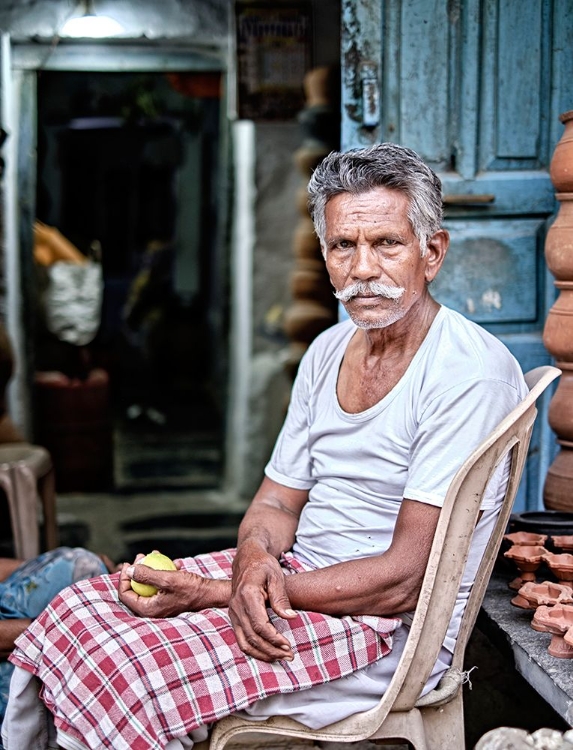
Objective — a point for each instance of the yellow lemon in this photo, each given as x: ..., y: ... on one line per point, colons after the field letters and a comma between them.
x: 157, y: 561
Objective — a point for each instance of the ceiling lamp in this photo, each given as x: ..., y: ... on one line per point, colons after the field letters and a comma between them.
x: 90, y: 25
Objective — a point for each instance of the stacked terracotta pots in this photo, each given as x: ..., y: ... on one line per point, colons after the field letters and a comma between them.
x: 558, y: 332
x: 313, y: 307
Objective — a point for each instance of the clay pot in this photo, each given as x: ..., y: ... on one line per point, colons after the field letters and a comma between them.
x: 308, y: 158
x: 557, y: 621
x: 306, y: 319
x: 527, y: 559
x: 526, y: 539
x: 318, y: 84
x: 532, y: 595
x: 564, y: 543
x: 560, y: 565
x: 302, y: 200
x: 314, y: 285
x: 559, y: 323
x: 305, y: 241
x: 559, y: 240
x: 558, y: 482
x: 561, y: 167
x: 560, y: 413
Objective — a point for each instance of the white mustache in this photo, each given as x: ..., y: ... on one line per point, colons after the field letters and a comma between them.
x: 369, y: 287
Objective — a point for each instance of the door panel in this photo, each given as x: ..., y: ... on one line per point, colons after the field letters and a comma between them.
x: 491, y: 269
x: 475, y: 87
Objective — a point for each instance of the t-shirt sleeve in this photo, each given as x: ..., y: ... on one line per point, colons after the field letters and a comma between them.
x: 452, y: 425
x: 290, y: 462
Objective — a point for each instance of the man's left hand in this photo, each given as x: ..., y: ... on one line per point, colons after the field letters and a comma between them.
x: 258, y: 579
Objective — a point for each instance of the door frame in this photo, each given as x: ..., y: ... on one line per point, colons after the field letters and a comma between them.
x: 20, y: 65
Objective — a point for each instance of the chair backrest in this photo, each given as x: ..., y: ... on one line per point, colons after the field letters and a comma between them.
x: 451, y: 545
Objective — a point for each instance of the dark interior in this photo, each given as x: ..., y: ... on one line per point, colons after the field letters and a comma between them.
x: 129, y: 172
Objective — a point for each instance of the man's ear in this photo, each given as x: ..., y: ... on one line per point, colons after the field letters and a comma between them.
x: 438, y: 245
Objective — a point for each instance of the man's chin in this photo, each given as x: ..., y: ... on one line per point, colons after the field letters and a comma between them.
x: 370, y: 322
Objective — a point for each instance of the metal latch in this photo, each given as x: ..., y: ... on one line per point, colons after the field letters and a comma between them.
x: 370, y: 95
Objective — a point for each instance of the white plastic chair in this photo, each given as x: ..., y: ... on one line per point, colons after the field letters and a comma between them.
x: 26, y: 475
x: 434, y: 722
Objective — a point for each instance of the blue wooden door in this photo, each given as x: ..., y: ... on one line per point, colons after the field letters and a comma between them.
x: 476, y: 87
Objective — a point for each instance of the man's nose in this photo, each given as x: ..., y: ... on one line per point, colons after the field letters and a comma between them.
x: 365, y: 263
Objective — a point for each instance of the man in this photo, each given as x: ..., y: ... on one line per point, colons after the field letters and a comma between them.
x: 27, y: 587
x: 385, y: 408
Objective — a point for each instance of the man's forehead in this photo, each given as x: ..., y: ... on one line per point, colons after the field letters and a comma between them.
x: 387, y: 202
x: 377, y: 192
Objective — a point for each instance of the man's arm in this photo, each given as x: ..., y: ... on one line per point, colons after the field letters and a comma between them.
x: 383, y: 585
x: 7, y: 566
x: 267, y: 530
x: 387, y: 584
x: 9, y: 631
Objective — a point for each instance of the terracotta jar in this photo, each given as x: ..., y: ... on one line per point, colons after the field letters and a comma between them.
x: 305, y: 242
x: 559, y: 240
x: 558, y: 330
x: 561, y: 407
x: 561, y: 169
x: 305, y: 319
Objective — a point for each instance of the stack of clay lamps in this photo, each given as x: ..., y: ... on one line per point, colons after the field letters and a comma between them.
x: 532, y: 595
x: 314, y: 307
x: 558, y: 330
x: 527, y: 558
x: 558, y: 621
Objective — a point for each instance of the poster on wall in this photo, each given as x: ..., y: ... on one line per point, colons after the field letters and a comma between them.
x: 274, y: 51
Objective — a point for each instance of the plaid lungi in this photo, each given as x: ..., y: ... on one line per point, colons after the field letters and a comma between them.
x: 114, y: 680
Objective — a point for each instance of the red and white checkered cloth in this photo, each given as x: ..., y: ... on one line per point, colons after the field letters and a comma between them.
x: 114, y: 680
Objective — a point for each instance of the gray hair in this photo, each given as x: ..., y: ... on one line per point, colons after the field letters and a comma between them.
x: 384, y: 165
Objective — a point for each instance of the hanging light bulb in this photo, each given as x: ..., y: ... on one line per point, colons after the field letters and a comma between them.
x: 90, y: 25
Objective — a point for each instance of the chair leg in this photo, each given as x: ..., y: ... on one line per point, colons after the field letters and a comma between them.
x: 406, y: 725
x: 47, y: 492
x: 445, y: 725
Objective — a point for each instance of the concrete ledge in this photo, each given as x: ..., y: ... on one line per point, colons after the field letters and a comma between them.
x: 510, y: 629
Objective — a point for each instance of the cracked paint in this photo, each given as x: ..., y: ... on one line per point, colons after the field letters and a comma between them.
x: 491, y: 298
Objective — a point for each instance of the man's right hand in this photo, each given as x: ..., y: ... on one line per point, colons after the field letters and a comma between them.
x: 258, y: 582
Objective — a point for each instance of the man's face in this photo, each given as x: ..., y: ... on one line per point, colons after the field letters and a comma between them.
x: 369, y: 241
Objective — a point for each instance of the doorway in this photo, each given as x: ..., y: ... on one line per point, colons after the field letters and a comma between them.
x: 129, y: 171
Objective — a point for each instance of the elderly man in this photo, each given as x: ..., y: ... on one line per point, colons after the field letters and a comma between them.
x: 332, y: 551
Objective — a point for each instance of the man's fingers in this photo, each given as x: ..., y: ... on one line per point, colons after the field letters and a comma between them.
x: 144, y: 574
x: 260, y: 648
x: 280, y: 604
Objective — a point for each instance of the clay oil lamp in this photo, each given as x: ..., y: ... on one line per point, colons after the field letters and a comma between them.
x: 557, y: 621
x: 527, y: 559
x: 564, y: 543
x: 526, y: 538
x: 561, y: 566
x: 533, y: 595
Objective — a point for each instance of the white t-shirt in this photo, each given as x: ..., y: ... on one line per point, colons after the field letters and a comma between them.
x: 358, y: 467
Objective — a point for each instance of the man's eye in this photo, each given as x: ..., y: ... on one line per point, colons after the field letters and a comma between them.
x: 388, y: 242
